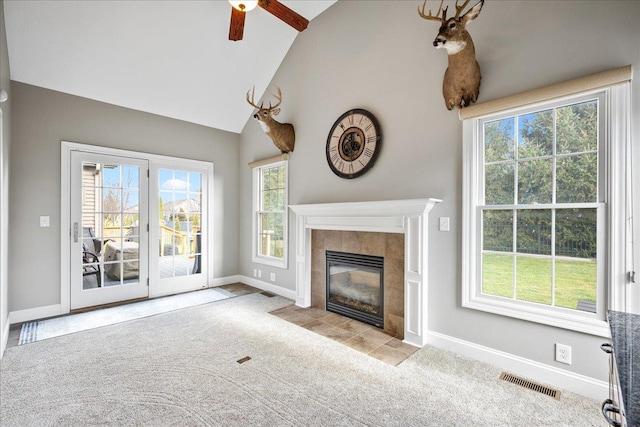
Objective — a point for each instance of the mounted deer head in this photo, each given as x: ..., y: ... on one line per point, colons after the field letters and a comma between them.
x: 282, y: 134
x: 461, y: 84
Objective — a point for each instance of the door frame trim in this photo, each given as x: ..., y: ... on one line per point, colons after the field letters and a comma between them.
x: 66, y: 147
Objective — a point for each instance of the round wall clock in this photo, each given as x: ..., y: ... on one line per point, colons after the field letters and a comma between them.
x: 353, y: 143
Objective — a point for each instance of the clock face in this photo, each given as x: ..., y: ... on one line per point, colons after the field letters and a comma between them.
x: 353, y: 143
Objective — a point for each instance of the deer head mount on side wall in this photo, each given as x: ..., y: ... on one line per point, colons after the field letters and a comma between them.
x: 282, y: 134
x: 461, y: 84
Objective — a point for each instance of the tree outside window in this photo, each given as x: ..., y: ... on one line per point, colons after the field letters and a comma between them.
x: 540, y: 209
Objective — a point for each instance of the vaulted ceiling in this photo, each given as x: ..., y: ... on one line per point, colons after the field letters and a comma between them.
x: 167, y: 57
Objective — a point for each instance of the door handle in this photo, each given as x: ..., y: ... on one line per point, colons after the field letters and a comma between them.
x: 75, y: 232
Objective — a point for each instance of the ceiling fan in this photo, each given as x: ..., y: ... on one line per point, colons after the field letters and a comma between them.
x: 277, y: 9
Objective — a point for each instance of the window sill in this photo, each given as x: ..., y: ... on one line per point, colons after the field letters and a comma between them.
x: 586, y: 323
x: 273, y: 262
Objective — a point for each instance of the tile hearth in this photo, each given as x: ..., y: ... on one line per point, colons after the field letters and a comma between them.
x: 352, y: 333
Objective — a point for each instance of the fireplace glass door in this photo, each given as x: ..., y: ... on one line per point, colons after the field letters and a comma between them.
x: 355, y: 286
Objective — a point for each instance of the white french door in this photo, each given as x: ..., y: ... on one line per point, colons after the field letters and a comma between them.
x: 134, y: 225
x: 109, y: 229
x: 179, y: 226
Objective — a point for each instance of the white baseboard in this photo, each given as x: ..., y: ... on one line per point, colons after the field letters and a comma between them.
x: 269, y: 287
x: 56, y: 309
x: 550, y: 375
x: 5, y: 337
x: 221, y: 281
x: 35, y: 313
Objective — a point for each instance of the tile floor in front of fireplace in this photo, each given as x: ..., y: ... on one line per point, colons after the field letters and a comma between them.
x: 357, y: 335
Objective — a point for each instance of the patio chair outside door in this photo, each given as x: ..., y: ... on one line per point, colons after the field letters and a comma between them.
x: 109, y: 223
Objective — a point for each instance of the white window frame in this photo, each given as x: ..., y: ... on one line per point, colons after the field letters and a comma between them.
x: 257, y: 178
x: 611, y: 260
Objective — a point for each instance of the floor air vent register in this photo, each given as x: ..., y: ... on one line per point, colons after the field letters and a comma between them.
x: 540, y: 388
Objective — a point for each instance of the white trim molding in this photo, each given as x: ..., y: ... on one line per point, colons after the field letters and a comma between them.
x: 269, y: 287
x: 556, y: 377
x: 409, y: 217
x: 6, y: 326
x: 29, y: 314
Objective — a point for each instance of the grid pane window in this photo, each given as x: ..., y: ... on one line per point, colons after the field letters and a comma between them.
x: 539, y: 205
x: 271, y: 181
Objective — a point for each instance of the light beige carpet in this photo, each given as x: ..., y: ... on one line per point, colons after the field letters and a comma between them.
x: 180, y: 369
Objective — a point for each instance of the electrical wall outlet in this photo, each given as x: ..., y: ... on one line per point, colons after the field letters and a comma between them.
x: 563, y: 353
x: 255, y: 272
x: 273, y: 277
x: 259, y: 274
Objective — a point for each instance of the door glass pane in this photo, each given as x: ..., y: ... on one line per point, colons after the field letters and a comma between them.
x: 110, y: 175
x: 180, y: 202
x: 110, y: 224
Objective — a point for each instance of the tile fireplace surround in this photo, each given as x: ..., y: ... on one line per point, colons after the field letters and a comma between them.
x: 408, y: 217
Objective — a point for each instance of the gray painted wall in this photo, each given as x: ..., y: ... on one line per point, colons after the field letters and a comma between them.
x: 41, y: 119
x: 5, y: 143
x: 380, y: 57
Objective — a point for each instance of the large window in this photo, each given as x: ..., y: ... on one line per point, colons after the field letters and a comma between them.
x: 539, y: 211
x: 270, y: 214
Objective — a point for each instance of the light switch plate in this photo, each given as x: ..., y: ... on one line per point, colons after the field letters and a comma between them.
x: 44, y: 221
x: 444, y: 223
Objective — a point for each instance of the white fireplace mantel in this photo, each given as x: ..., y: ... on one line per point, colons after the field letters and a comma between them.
x: 409, y: 217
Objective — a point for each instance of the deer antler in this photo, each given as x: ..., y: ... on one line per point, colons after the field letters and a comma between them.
x: 430, y: 16
x: 461, y: 8
x: 252, y: 102
x: 278, y: 97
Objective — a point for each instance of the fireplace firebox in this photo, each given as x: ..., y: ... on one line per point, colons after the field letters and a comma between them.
x: 355, y: 286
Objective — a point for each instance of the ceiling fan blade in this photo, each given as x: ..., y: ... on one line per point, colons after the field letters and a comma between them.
x: 281, y: 11
x: 236, y: 27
